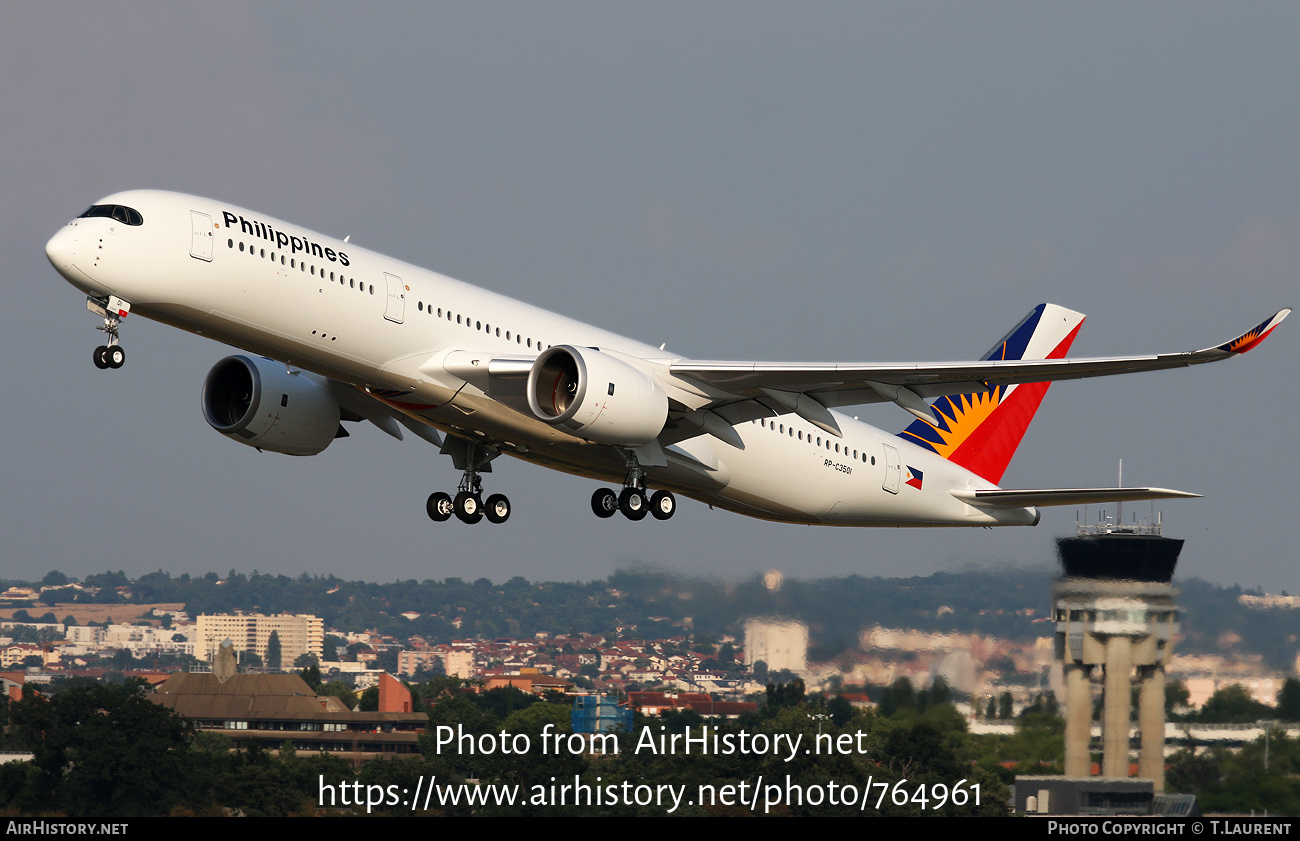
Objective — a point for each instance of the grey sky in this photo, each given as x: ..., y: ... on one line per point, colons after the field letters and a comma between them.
x: 843, y: 181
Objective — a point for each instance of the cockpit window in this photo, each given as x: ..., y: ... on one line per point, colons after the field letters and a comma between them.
x: 122, y: 213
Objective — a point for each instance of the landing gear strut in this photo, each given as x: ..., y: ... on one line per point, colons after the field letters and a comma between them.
x: 635, y: 501
x: 112, y: 309
x: 472, y: 458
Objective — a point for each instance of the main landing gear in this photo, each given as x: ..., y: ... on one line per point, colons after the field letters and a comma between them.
x: 112, y: 309
x: 468, y: 504
x: 635, y: 501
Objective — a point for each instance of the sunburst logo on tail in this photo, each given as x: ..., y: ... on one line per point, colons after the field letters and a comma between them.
x: 957, y: 419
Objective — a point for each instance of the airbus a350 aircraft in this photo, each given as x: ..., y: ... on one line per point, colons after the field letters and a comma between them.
x: 338, y: 333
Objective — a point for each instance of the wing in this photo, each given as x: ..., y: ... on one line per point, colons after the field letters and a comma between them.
x: 757, y: 389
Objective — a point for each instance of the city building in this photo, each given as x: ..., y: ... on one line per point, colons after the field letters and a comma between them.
x: 299, y: 634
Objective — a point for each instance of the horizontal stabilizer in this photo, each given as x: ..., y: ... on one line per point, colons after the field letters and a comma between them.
x: 1043, y: 497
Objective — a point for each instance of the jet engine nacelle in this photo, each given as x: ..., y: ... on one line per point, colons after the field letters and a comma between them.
x: 259, y: 403
x: 595, y: 396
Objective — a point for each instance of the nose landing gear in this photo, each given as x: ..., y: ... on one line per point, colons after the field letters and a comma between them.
x: 112, y: 309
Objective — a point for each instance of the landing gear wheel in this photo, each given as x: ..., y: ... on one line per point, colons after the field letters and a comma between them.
x: 604, y: 503
x: 498, y: 508
x: 115, y: 356
x: 469, y: 508
x: 663, y: 505
x: 632, y: 503
x: 101, y: 357
x: 440, y: 507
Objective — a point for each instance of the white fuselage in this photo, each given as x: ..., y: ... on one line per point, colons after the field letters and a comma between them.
x: 388, y: 328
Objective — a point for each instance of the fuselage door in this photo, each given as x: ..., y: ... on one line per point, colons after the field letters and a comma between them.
x: 893, y: 470
x: 200, y: 236
x: 395, y: 310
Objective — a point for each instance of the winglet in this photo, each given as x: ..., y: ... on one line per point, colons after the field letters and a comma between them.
x: 1247, y: 341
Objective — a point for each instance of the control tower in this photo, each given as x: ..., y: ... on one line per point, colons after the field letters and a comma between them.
x: 1114, y: 613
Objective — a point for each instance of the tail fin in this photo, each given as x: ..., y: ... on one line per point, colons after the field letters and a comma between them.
x: 981, y: 431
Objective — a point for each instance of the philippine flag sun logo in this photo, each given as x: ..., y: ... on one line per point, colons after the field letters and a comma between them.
x: 914, y: 477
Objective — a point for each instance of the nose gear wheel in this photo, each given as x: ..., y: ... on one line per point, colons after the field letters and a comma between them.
x: 112, y: 310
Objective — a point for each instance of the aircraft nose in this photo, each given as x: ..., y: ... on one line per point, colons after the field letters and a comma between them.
x: 62, y: 249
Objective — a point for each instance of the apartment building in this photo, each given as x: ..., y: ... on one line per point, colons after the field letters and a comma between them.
x: 299, y: 634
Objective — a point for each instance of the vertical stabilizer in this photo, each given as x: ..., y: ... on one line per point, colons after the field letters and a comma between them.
x: 981, y: 431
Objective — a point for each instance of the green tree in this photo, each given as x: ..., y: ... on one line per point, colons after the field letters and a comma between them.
x: 102, y: 750
x: 1233, y: 704
x: 311, y: 676
x: 1176, y: 695
x: 54, y: 578
x: 840, y: 709
x: 108, y: 580
x: 273, y: 650
x: 783, y: 695
x: 1288, y: 700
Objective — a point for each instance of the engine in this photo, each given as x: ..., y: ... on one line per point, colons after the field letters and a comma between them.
x: 596, y: 396
x: 259, y: 403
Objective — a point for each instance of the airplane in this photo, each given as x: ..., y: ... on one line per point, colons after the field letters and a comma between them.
x: 335, y: 333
